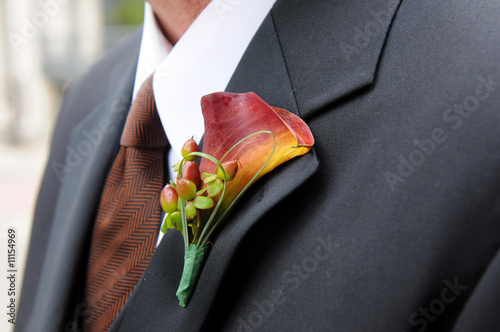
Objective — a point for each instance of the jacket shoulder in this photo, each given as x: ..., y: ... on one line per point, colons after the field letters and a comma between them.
x: 98, y: 80
x: 83, y: 95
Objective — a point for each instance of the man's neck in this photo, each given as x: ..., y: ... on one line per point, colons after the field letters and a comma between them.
x: 175, y: 16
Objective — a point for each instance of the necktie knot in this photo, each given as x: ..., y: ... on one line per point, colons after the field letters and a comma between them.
x: 143, y: 127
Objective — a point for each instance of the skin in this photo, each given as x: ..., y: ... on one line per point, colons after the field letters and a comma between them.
x: 175, y: 16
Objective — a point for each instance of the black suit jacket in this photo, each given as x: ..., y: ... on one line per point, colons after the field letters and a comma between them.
x: 391, y: 223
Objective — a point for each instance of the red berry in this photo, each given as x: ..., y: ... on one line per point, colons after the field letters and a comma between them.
x: 169, y: 199
x: 186, y: 189
x: 230, y: 167
x: 188, y: 147
x: 191, y: 171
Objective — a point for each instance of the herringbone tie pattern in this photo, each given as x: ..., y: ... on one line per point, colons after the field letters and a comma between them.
x: 128, y: 217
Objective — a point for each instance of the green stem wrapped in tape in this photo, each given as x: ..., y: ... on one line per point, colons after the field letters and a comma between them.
x: 194, y: 258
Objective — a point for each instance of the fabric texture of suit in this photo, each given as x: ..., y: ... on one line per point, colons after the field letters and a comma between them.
x: 391, y: 223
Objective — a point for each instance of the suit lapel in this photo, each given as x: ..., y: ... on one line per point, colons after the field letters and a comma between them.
x: 332, y: 57
x: 91, y: 150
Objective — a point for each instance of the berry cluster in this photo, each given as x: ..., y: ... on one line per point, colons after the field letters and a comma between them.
x: 193, y: 192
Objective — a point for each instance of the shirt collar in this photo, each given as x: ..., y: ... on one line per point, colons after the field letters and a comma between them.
x: 201, y: 62
x: 154, y: 48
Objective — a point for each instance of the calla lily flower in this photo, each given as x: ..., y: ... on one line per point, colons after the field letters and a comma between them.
x: 230, y: 117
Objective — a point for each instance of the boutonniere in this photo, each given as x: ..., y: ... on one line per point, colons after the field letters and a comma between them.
x: 244, y: 139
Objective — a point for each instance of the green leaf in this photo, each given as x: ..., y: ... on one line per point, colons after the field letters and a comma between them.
x: 173, y: 184
x: 193, y: 227
x: 211, y: 178
x: 203, y: 203
x: 205, y: 175
x: 201, y: 191
x: 190, y: 210
x: 215, y: 187
x: 176, y: 221
x: 166, y: 224
x: 176, y: 167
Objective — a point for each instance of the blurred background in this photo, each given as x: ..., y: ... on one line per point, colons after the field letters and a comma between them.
x: 44, y: 45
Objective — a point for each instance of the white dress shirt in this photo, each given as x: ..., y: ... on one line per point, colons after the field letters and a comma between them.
x: 201, y: 62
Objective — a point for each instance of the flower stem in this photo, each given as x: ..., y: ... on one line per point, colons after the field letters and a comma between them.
x: 185, y: 229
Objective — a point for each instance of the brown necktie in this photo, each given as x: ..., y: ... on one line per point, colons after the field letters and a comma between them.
x: 128, y: 218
